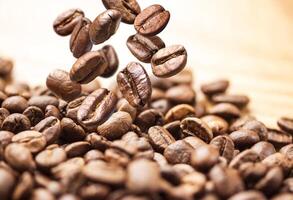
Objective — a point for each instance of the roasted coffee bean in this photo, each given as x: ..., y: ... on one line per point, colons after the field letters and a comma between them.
x: 215, y: 87
x: 238, y: 123
x: 226, y: 110
x: 129, y: 9
x: 34, y: 114
x: 77, y: 149
x: 4, y: 113
x: 91, y: 86
x: 227, y: 181
x: 204, y: 157
x: 237, y: 100
x: 179, y: 112
x: 174, y: 129
x: 5, y: 139
x: 143, y: 48
x: 192, y: 126
x: 218, y: 125
x: 94, y: 191
x: 169, y: 61
x: 161, y: 105
x: 24, y: 186
x: 66, y: 21
x: 117, y: 157
x: 107, y: 173
x: 16, y: 123
x: 245, y: 156
x: 251, y: 173
x: 124, y: 105
x: 96, y: 108
x: 3, y: 96
x: 80, y: 42
x: 161, y: 83
x: 244, y: 139
x: 178, y: 152
x: 15, y: 89
x: 49, y: 158
x: 194, y: 141
x: 257, y: 127
x: 225, y: 146
x: 148, y: 182
x: 98, y: 142
x: 149, y: 118
x: 70, y: 131
x: 104, y: 26
x: 263, y: 149
x: 15, y: 104
x: 59, y: 82
x: 6, y: 67
x: 279, y: 138
x: 287, y: 151
x: 117, y: 125
x: 157, y: 94
x: 88, y: 67
x: 278, y: 159
x: 51, y: 185
x: 152, y: 20
x: 52, y: 110
x: 112, y: 59
x: 33, y: 140
x: 50, y: 127
x: 7, y: 181
x: 43, y: 101
x: 282, y: 196
x: 248, y: 195
x: 93, y: 155
x: 181, y: 94
x: 285, y: 123
x: 160, y: 138
x: 41, y: 193
x: 19, y: 157
x: 73, y: 106
x: 135, y: 84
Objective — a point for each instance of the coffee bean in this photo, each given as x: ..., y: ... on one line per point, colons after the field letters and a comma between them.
x: 244, y: 139
x: 192, y: 126
x: 4, y: 113
x: 204, y: 157
x: 152, y: 20
x: 6, y: 66
x: 107, y: 173
x: 287, y: 151
x: 118, y: 157
x: 34, y: 114
x: 194, y: 141
x: 117, y: 125
x: 278, y: 159
x: 146, y: 183
x: 161, y: 83
x: 157, y: 94
x: 7, y: 181
x: 94, y: 191
x: 179, y: 112
x: 93, y: 155
x: 149, y: 118
x: 279, y: 138
x: 283, y: 196
x: 33, y: 140
x: 59, y: 82
x: 24, y: 186
x: 129, y: 9
x: 98, y: 142
x: 238, y: 123
x: 70, y: 131
x: 88, y: 67
x: 96, y: 108
x: 248, y: 195
x: 52, y: 110
x: 161, y: 105
x: 15, y: 89
x: 77, y: 149
x: 50, y: 127
x: 73, y: 106
x: 43, y: 101
x: 257, y: 127
x: 215, y: 87
x: 218, y: 125
x: 285, y: 123
x: 135, y: 84
x: 287, y: 185
x: 263, y: 149
x: 225, y: 146
x: 16, y: 123
x: 80, y: 42
x: 181, y: 94
x: 143, y: 48
x: 69, y: 197
x: 66, y: 21
x: 174, y: 129
x: 178, y: 152
x: 124, y: 105
x: 19, y: 157
x: 237, y: 100
x: 91, y: 86
x: 160, y: 138
x: 49, y: 158
x: 112, y: 59
x: 104, y: 26
x: 5, y: 139
x: 169, y: 61
x: 15, y: 104
x: 245, y: 156
x: 225, y: 110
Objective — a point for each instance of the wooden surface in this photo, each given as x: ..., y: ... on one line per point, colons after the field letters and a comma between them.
x: 246, y: 41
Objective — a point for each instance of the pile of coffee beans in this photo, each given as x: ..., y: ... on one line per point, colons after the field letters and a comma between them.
x: 150, y: 138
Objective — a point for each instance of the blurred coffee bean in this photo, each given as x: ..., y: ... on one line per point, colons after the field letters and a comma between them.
x: 225, y: 146
x: 238, y: 123
x: 160, y: 138
x: 43, y: 101
x: 6, y: 67
x: 280, y: 160
x: 14, y: 89
x: 77, y: 149
x: 279, y: 138
x: 194, y: 141
x: 112, y: 59
x: 245, y: 156
x: 237, y: 100
x: 4, y: 113
x: 179, y: 112
x: 244, y: 139
x: 16, y: 123
x: 98, y: 142
x: 157, y: 94
x: 248, y: 195
x: 218, y: 125
x: 94, y: 191
x: 161, y: 105
x: 149, y: 118
x: 204, y: 157
x: 287, y: 151
x: 181, y: 94
x: 257, y: 127
x: 93, y: 154
x: 49, y: 158
x: 283, y: 196
x: 225, y: 110
x: 174, y: 129
x: 263, y: 149
x: 41, y: 193
x: 215, y: 87
x: 70, y: 131
x: 33, y: 140
x: 7, y: 181
x: 34, y: 114
x: 178, y: 152
x: 50, y: 127
x: 15, y: 104
x: 286, y: 124
x: 24, y: 186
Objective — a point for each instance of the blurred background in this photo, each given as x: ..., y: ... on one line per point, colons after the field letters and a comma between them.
x: 248, y: 41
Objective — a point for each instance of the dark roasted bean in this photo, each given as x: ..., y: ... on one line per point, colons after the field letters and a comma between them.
x: 194, y: 141
x: 287, y: 151
x: 16, y: 123
x: 205, y: 157
x: 257, y: 127
x: 98, y: 142
x: 225, y: 110
x: 50, y: 127
x: 43, y: 101
x: 149, y: 118
x: 286, y: 124
x: 279, y: 138
x: 181, y: 94
x: 112, y: 59
x: 70, y: 131
x: 263, y: 149
x: 244, y: 139
x: 77, y: 149
x: 174, y: 129
x: 218, y: 125
x: 3, y: 114
x: 160, y: 138
x: 124, y: 105
x: 279, y: 159
x: 52, y: 110
x: 178, y: 152
x: 15, y: 104
x: 34, y: 114
x: 179, y: 112
x: 225, y: 146
x: 215, y: 87
x: 73, y: 106
x: 243, y: 157
x: 49, y: 158
x: 93, y: 155
x: 161, y: 105
x: 6, y: 67
x: 238, y: 100
x: 238, y: 123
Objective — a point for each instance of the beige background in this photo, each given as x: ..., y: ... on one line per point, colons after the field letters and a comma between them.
x: 248, y: 41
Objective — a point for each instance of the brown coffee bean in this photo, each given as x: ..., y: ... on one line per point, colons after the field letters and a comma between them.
x: 91, y: 86
x: 181, y: 94
x: 33, y: 140
x: 149, y: 118
x: 94, y: 191
x: 5, y: 139
x: 124, y: 105
x: 96, y: 108
x: 248, y: 195
x: 286, y: 150
x: 41, y: 193
x: 237, y: 100
x: 77, y: 149
x: 225, y: 110
x: 134, y: 84
x: 157, y: 94
x: 129, y: 9
x: 245, y: 156
x: 80, y: 42
x: 52, y: 110
x: 59, y: 82
x: 169, y: 61
x: 162, y: 83
x: 282, y: 196
x: 147, y: 182
x: 278, y: 159
x: 117, y: 157
x: 225, y: 146
x: 72, y: 108
x: 7, y: 181
x: 251, y: 173
x: 21, y: 89
x: 178, y: 152
x: 279, y: 138
x: 204, y: 157
x: 285, y: 123
x: 24, y: 186
x: 218, y: 125
x: 174, y: 129
x: 192, y: 126
x: 160, y: 138
x: 15, y: 104
x: 93, y: 155
x: 112, y: 59
x: 43, y: 101
x: 263, y: 149
x: 161, y: 105
x: 70, y: 131
x: 107, y: 173
x: 215, y: 87
x: 50, y: 127
x: 88, y: 67
x: 104, y: 26
x: 69, y: 197
x: 98, y: 142
x: 16, y: 123
x: 194, y: 141
x: 143, y: 48
x: 257, y: 127
x: 34, y: 114
x: 238, y: 123
x: 6, y: 66
x: 244, y: 139
x: 4, y: 113
x: 19, y: 157
x: 227, y: 181
x: 179, y: 112
x: 152, y: 20
x: 49, y: 158
x: 117, y: 125
x: 66, y: 21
